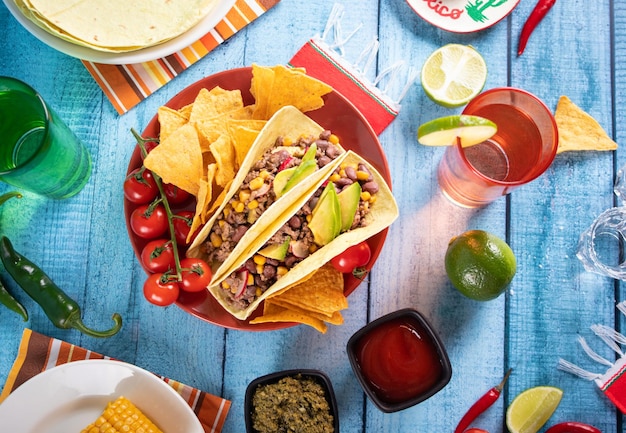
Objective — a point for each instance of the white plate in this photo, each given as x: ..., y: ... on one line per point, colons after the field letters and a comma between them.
x: 143, y: 55
x: 461, y: 16
x: 69, y: 397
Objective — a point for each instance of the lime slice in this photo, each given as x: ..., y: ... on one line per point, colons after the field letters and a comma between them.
x: 531, y: 409
x: 444, y: 131
x: 453, y: 74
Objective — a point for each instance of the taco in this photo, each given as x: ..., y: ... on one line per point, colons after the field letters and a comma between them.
x: 290, y: 157
x: 349, y: 206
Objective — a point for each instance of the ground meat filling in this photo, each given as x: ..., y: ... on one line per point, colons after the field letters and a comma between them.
x: 294, y: 404
x: 259, y: 273
x: 256, y: 193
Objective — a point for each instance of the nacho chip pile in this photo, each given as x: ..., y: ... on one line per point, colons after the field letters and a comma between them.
x: 316, y: 301
x: 202, y: 145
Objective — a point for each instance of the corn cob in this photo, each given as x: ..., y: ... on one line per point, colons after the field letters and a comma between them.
x: 121, y: 416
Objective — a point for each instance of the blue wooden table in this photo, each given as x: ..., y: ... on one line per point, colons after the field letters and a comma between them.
x: 82, y: 242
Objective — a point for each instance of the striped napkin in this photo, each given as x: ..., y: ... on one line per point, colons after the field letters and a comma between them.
x: 127, y: 85
x: 38, y: 353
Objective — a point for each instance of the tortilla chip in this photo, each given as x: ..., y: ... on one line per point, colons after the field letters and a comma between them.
x: 178, y: 159
x: 578, y: 130
x: 297, y: 89
x: 276, y: 313
x: 215, y: 102
x: 169, y: 120
x: 243, y: 133
x: 224, y: 154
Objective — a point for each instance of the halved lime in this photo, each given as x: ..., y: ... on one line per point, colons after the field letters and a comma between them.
x: 531, y: 409
x: 444, y: 131
x: 453, y: 74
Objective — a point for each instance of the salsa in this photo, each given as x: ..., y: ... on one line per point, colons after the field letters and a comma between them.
x: 399, y: 360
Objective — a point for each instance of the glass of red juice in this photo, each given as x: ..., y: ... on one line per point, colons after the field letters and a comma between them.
x: 521, y: 150
x: 399, y: 360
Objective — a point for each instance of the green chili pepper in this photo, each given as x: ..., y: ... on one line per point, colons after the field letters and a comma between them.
x: 11, y: 303
x: 62, y: 310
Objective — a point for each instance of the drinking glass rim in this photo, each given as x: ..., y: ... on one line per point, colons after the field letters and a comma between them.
x: 541, y: 168
x: 30, y: 91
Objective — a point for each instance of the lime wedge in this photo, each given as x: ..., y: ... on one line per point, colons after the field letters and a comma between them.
x: 453, y: 74
x: 531, y: 409
x: 444, y: 131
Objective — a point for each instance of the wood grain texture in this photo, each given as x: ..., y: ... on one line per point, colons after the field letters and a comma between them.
x: 82, y: 242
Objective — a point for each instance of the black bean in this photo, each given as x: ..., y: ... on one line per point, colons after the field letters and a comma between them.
x: 344, y: 181
x: 269, y: 271
x: 294, y: 222
x: 322, y: 144
x: 238, y: 233
x: 325, y: 135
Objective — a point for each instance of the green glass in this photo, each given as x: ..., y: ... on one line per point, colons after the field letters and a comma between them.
x: 38, y: 152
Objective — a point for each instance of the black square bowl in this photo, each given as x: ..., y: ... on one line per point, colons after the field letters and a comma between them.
x: 399, y: 360
x: 317, y: 375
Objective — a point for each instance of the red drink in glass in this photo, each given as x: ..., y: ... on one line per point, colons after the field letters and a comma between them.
x: 521, y: 150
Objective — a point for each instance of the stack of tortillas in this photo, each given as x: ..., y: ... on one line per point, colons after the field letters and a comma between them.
x: 116, y: 25
x: 578, y: 130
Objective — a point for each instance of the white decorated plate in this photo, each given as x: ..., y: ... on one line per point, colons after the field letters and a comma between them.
x: 463, y: 16
x: 67, y: 398
x: 142, y: 55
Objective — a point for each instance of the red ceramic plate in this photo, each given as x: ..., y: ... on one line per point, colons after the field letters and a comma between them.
x: 337, y: 114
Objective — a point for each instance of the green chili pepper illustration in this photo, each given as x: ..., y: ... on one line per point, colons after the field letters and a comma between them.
x: 62, y: 310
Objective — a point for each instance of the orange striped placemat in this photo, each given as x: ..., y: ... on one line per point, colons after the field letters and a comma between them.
x: 38, y: 353
x: 127, y: 85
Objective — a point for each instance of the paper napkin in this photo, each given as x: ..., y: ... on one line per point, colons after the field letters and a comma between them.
x: 38, y: 353
x: 127, y: 85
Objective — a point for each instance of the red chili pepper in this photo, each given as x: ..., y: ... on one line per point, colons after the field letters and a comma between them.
x: 481, y: 405
x: 535, y: 17
x: 573, y: 427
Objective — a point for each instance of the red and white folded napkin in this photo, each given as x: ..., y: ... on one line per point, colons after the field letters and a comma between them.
x: 38, y: 353
x: 613, y: 381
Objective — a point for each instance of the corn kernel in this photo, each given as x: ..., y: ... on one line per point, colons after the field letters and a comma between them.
x: 240, y: 207
x: 256, y: 183
x: 250, y: 280
x: 287, y: 141
x: 334, y: 177
x: 281, y: 270
x: 253, y: 204
x: 312, y: 248
x: 264, y: 174
x: 258, y: 292
x: 362, y: 175
x: 216, y: 240
x: 365, y: 195
x: 227, y: 211
x: 333, y: 139
x: 372, y: 199
x: 244, y: 195
x: 342, y: 173
x: 259, y: 269
x: 259, y: 259
x: 308, y: 218
x: 221, y: 223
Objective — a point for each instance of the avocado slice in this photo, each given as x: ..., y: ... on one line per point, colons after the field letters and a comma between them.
x: 307, y: 166
x: 325, y: 221
x: 281, y: 179
x: 349, y: 200
x: 276, y: 251
x: 303, y: 171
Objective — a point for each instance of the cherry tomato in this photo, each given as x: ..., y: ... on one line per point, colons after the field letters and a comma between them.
x: 159, y: 290
x: 149, y: 222
x: 175, y: 195
x: 352, y: 259
x: 196, y: 275
x: 158, y: 256
x: 150, y: 145
x: 140, y: 187
x: 182, y: 225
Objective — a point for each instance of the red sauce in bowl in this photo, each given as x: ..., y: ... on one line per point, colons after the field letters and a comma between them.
x: 399, y: 359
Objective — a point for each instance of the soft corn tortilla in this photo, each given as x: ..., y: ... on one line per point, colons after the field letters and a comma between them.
x: 382, y: 213
x: 288, y: 122
x: 116, y: 25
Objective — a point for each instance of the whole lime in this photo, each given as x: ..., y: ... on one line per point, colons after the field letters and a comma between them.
x: 479, y: 264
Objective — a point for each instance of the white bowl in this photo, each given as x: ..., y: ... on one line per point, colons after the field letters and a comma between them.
x: 69, y: 397
x: 142, y: 55
x: 461, y: 16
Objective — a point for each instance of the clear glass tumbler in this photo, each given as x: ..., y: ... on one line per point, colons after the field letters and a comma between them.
x: 38, y: 152
x: 522, y: 149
